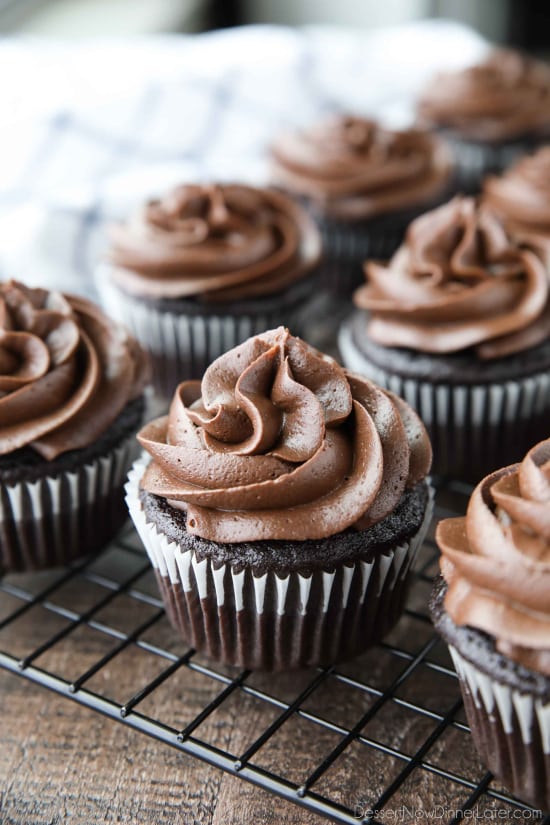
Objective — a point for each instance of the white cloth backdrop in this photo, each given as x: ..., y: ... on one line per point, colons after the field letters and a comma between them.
x: 91, y: 127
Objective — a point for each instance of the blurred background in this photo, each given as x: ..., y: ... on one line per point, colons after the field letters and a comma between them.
x: 519, y: 22
x: 107, y: 102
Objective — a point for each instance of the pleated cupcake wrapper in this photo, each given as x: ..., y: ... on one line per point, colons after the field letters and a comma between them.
x: 275, y: 622
x: 182, y: 346
x: 55, y: 519
x: 511, y: 731
x: 476, y: 160
x: 346, y: 248
x: 474, y: 428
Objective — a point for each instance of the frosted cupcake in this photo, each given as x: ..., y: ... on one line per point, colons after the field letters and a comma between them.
x: 458, y: 323
x: 203, y: 268
x: 282, y: 507
x: 492, y: 112
x: 363, y: 184
x: 521, y: 197
x: 71, y: 399
x: 492, y: 607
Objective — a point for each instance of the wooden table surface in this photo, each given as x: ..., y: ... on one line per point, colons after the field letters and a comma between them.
x: 63, y: 763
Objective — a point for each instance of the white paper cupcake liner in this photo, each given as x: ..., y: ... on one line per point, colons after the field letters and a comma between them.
x: 347, y: 247
x: 511, y: 731
x: 58, y: 518
x: 272, y: 622
x: 473, y: 428
x: 476, y: 160
x: 182, y: 346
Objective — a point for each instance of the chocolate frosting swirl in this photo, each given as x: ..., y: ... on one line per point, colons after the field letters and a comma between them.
x: 521, y: 196
x: 66, y: 371
x: 279, y: 442
x: 219, y: 243
x: 354, y: 169
x: 496, y: 560
x: 459, y: 281
x: 506, y: 96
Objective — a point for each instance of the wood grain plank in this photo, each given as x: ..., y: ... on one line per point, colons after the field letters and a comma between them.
x: 62, y: 763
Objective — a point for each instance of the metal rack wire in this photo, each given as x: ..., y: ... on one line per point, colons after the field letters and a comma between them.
x: 396, y: 680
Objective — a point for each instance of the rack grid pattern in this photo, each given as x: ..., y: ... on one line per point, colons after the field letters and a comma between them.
x: 381, y: 683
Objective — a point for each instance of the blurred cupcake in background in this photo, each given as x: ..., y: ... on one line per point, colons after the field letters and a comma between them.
x: 458, y: 324
x: 492, y: 112
x: 71, y: 400
x: 204, y: 267
x: 521, y: 196
x: 363, y: 184
x: 492, y: 607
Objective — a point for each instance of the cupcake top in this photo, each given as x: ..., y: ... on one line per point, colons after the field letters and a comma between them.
x: 504, y: 97
x: 496, y: 560
x: 521, y: 196
x: 66, y: 371
x: 353, y: 169
x: 459, y: 282
x: 216, y: 242
x: 279, y: 442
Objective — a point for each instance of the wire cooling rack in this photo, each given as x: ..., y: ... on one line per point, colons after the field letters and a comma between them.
x: 383, y: 734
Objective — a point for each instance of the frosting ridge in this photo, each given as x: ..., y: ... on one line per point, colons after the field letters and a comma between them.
x: 505, y: 96
x: 352, y: 168
x: 496, y: 560
x: 219, y: 242
x: 521, y: 196
x: 459, y: 281
x: 66, y: 370
x: 279, y: 442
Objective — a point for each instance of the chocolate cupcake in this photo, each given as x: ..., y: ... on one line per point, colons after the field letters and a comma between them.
x: 492, y: 607
x: 203, y: 268
x: 70, y: 403
x: 283, y: 506
x: 363, y: 184
x: 491, y: 112
x: 458, y: 323
x: 521, y: 197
